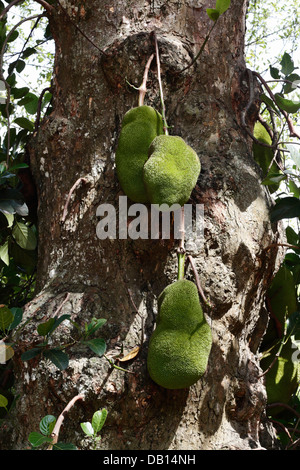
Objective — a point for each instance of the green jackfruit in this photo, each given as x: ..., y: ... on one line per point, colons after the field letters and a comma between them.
x: 264, y: 155
x: 139, y: 127
x: 171, y: 172
x: 180, y: 345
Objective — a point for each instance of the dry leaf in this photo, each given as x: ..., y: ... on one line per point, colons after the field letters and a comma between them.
x: 6, y: 352
x: 130, y: 355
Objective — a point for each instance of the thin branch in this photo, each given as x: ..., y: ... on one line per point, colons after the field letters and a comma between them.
x: 7, y: 85
x: 160, y: 85
x: 201, y: 49
x: 274, y: 245
x: 181, y: 248
x: 69, y: 197
x: 284, y: 405
x: 48, y: 8
x: 60, y: 419
x: 293, y: 132
x: 62, y: 304
x: 143, y: 88
x: 246, y: 109
x: 111, y: 362
x: 38, y: 113
x: 192, y: 263
x: 141, y: 317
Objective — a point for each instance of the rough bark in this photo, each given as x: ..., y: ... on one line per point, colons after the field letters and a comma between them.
x: 225, y: 409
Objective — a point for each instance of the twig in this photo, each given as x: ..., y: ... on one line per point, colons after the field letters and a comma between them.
x: 141, y: 317
x: 60, y: 419
x: 284, y: 405
x: 7, y: 86
x: 273, y: 245
x: 293, y: 132
x: 246, y: 109
x: 38, y: 113
x: 192, y: 263
x: 283, y: 427
x: 201, y: 49
x: 69, y: 197
x: 48, y: 8
x: 62, y: 304
x: 181, y: 248
x: 117, y: 367
x: 160, y: 86
x: 143, y: 88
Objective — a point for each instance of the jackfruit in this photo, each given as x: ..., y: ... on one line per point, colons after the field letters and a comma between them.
x: 264, y: 155
x: 140, y: 126
x: 181, y: 342
x: 171, y: 172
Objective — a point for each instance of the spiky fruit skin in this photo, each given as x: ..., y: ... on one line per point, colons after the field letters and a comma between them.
x: 180, y: 345
x: 140, y: 126
x: 264, y: 155
x: 171, y: 172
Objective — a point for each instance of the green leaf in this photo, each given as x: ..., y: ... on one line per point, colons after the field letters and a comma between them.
x: 24, y: 123
x: 4, y: 256
x: 18, y: 316
x: 19, y: 92
x: 222, y: 6
x: 294, y: 188
x: 28, y: 52
x: 6, y: 317
x: 97, y: 345
x: 59, y: 358
x: 285, y: 208
x: 58, y: 321
x: 20, y: 65
x: 11, y: 202
x: 265, y: 99
x: 95, y: 325
x: 98, y: 420
x: 44, y: 328
x: 24, y: 236
x: 289, y: 87
x: 274, y: 72
x: 13, y: 36
x: 87, y: 428
x: 294, y: 153
x: 213, y: 13
x: 26, y: 259
x: 287, y: 105
x: 64, y: 446
x: 47, y: 424
x: 291, y: 236
x: 36, y: 439
x: 30, y: 354
x: 30, y: 102
x: 3, y: 401
x: 272, y: 178
x: 287, y: 64
x: 293, y: 326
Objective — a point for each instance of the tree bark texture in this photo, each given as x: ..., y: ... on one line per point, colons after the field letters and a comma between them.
x: 226, y: 408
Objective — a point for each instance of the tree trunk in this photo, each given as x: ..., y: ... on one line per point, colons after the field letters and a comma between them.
x: 76, y: 144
